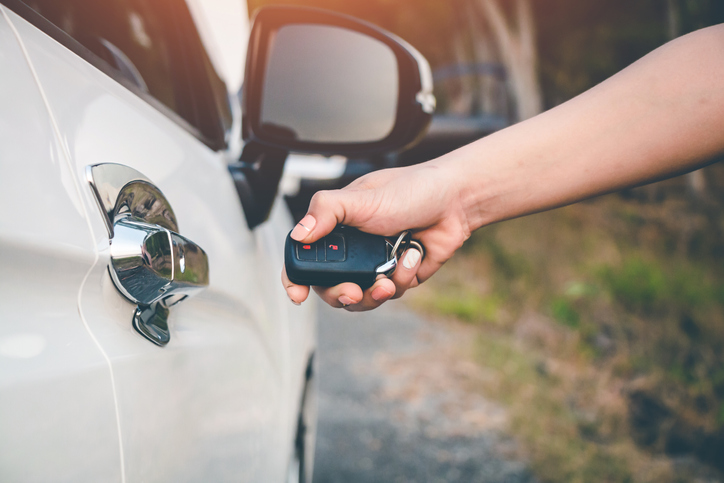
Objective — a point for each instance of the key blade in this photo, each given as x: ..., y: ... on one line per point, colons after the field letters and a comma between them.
x: 387, y: 268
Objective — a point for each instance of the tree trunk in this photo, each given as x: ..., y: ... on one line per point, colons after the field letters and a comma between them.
x: 695, y: 181
x: 517, y: 43
x: 492, y: 96
x: 460, y: 89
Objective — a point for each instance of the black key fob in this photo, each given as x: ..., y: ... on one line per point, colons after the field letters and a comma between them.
x: 344, y: 255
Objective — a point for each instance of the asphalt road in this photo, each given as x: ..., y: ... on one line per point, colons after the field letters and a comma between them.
x: 396, y: 404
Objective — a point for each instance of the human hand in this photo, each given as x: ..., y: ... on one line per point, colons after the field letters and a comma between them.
x: 422, y: 199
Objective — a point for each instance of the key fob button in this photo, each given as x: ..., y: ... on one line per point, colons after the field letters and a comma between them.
x: 334, y: 248
x: 307, y: 252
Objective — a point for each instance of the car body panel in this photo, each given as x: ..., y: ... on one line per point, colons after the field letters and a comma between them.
x: 221, y: 399
x: 56, y: 396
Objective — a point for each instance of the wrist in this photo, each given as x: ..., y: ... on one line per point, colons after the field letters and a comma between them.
x: 479, y: 184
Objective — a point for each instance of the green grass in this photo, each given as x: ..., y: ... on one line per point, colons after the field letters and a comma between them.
x: 646, y: 286
x: 578, y: 307
x: 468, y: 307
x: 561, y: 440
x: 638, y: 285
x: 564, y: 312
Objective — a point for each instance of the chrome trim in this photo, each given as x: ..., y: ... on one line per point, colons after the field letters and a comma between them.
x: 425, y: 97
x: 151, y: 264
x: 121, y: 191
x: 152, y: 323
x: 427, y: 101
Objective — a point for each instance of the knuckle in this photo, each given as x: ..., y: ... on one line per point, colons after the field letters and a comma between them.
x: 321, y: 198
x: 365, y: 184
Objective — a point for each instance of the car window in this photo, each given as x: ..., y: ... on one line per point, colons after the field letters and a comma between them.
x: 152, y: 48
x: 125, y: 33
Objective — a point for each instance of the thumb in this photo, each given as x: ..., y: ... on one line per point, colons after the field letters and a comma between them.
x: 326, y: 210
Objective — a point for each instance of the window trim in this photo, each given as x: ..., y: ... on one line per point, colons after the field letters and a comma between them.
x: 63, y: 38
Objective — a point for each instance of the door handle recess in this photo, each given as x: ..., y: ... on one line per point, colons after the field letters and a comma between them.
x: 151, y: 264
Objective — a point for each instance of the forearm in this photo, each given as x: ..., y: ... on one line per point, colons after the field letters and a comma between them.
x: 662, y: 116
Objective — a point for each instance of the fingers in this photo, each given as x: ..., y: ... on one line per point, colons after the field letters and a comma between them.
x: 405, y: 275
x: 303, y: 229
x: 352, y: 298
x: 326, y: 210
x: 296, y: 293
x: 340, y: 295
x: 428, y: 268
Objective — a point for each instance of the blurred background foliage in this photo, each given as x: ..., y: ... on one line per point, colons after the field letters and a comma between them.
x: 578, y: 43
x: 602, y: 323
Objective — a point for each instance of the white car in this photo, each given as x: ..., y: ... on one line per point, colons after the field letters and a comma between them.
x: 144, y: 334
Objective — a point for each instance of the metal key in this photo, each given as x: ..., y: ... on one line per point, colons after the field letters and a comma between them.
x: 345, y: 255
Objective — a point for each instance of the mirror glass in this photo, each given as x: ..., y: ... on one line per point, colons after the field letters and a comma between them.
x: 326, y: 84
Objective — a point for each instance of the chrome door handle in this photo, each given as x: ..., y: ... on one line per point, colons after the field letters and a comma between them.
x: 151, y: 264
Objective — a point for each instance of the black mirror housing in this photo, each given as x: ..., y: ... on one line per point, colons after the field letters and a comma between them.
x: 324, y: 83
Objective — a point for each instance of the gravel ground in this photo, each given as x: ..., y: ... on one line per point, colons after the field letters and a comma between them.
x: 396, y: 405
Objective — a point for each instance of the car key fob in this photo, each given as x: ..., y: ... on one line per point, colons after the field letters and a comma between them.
x: 345, y: 255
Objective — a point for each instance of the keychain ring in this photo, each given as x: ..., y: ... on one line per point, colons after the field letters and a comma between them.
x: 405, y: 237
x: 418, y: 246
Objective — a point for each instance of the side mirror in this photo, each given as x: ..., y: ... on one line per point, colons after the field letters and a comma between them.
x: 319, y: 82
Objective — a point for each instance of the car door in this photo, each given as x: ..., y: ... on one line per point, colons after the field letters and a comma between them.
x: 213, y: 404
x: 57, y: 410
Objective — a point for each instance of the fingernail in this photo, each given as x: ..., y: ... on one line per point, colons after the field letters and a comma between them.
x: 380, y: 293
x: 411, y: 258
x: 295, y: 303
x: 303, y: 228
x: 344, y: 300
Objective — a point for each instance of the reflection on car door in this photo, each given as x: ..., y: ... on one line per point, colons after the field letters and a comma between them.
x: 207, y: 406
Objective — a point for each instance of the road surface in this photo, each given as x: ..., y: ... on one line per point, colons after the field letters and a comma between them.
x: 397, y: 404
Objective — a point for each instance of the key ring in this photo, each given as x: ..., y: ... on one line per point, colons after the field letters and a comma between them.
x: 418, y: 246
x: 404, y: 242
